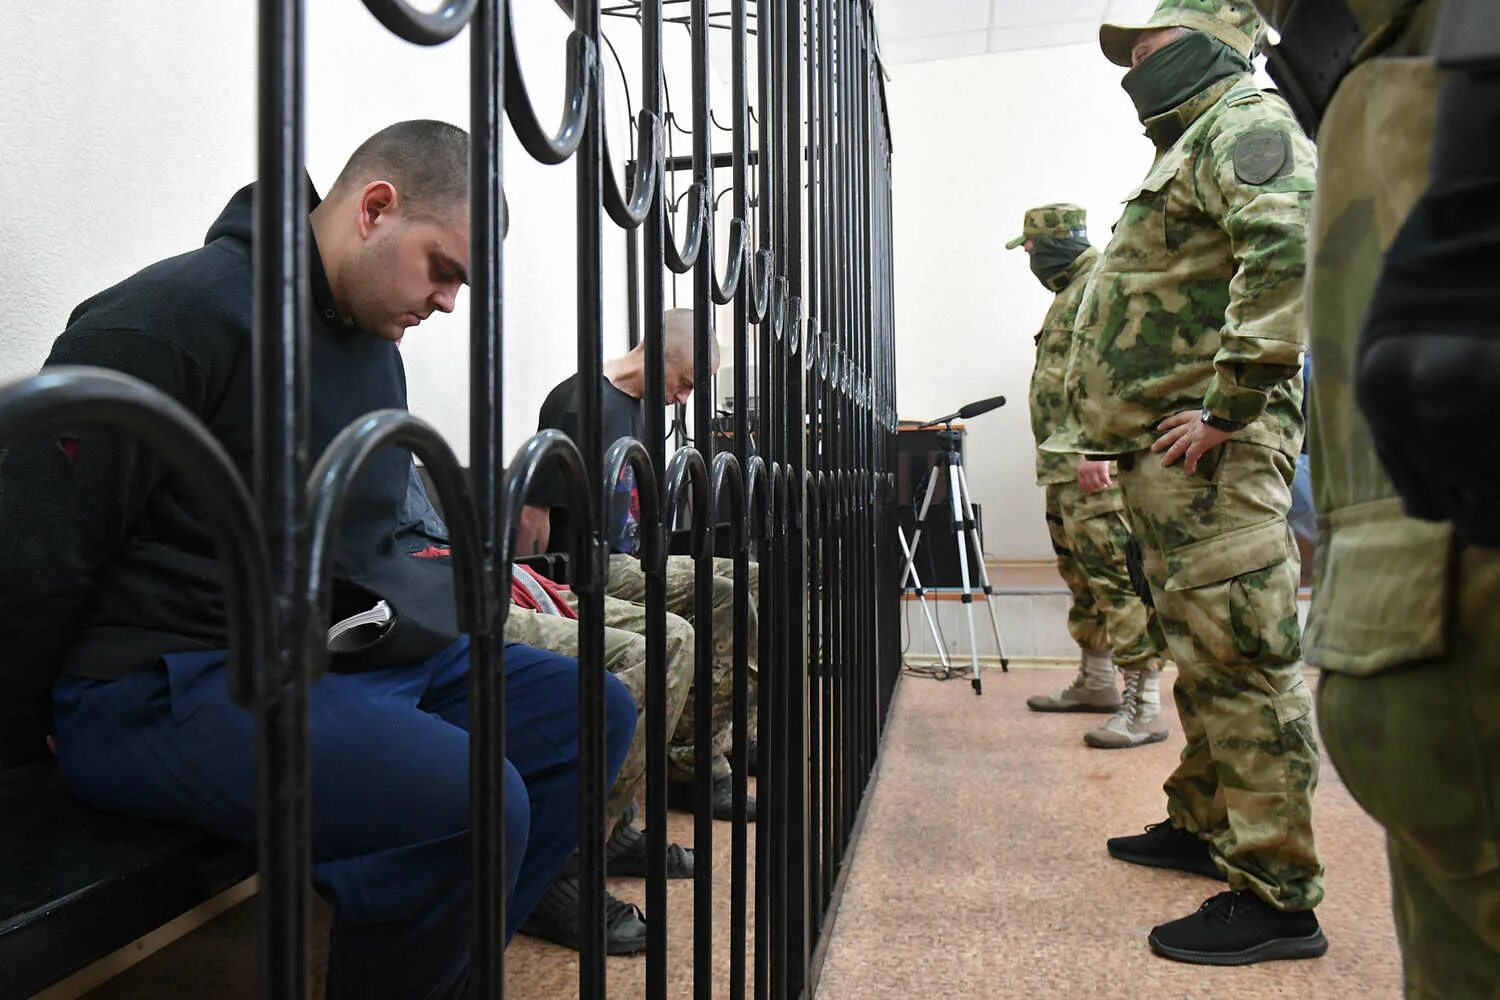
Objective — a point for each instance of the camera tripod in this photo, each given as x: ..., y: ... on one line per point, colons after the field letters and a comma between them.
x: 967, y: 538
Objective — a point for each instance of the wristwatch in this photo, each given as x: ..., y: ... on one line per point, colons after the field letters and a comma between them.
x: 1219, y: 423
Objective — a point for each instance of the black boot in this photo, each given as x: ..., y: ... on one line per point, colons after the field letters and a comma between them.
x: 556, y: 919
x: 680, y: 797
x: 1239, y: 928
x: 625, y: 854
x: 1164, y: 846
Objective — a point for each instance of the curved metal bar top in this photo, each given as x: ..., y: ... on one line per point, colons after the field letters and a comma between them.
x: 726, y: 475
x: 779, y: 307
x: 67, y: 397
x: 629, y: 451
x: 423, y: 27
x: 734, y: 266
x: 328, y: 490
x: 759, y: 304
x: 681, y: 260
x: 758, y: 497
x: 793, y: 324
x: 542, y: 447
x: 688, y: 470
x: 581, y: 76
x: 631, y: 212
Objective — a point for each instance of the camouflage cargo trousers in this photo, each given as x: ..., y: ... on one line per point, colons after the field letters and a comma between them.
x: 1223, y: 572
x: 1089, y: 535
x: 625, y: 657
x: 628, y: 582
x: 1406, y: 617
x: 1418, y: 745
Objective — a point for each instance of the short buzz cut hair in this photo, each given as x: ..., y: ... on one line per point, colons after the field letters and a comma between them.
x: 426, y: 161
x: 677, y: 338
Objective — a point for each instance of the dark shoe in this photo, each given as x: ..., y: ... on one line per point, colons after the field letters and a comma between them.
x: 1164, y: 846
x: 625, y: 855
x: 680, y: 797
x: 556, y: 917
x: 1239, y: 928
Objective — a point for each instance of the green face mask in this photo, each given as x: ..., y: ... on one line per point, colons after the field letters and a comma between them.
x: 1051, y: 256
x: 1177, y: 71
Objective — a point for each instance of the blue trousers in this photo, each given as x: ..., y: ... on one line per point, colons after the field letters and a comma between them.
x: 389, y: 791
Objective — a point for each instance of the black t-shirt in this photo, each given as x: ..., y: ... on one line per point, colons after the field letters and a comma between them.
x: 622, y: 418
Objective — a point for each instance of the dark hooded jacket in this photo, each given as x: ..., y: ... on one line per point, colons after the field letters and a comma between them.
x: 105, y: 564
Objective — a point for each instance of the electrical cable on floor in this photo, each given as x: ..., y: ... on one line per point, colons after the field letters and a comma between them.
x: 935, y: 672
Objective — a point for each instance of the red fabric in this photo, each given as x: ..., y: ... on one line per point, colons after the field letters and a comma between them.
x: 433, y: 552
x: 521, y: 597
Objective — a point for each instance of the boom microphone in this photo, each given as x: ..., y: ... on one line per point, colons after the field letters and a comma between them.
x: 981, y: 406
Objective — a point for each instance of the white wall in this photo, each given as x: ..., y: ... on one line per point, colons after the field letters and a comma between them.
x: 125, y: 127
x: 977, y: 142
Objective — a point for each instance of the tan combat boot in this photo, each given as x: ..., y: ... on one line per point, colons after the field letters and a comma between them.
x: 1093, y: 690
x: 1139, y: 720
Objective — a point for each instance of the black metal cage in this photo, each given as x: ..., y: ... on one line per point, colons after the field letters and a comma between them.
x: 809, y: 281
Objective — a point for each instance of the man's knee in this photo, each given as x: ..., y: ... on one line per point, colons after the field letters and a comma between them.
x: 517, y: 824
x: 619, y: 722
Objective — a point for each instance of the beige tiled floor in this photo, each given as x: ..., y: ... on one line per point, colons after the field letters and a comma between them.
x: 982, y: 871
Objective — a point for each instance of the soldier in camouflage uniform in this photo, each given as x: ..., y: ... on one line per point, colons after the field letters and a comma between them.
x: 628, y: 582
x: 1403, y: 621
x: 1085, y: 511
x: 625, y: 657
x: 1187, y: 367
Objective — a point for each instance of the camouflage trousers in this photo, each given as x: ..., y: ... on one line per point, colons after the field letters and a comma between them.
x: 628, y: 582
x: 625, y: 657
x: 1089, y: 535
x: 1418, y: 745
x: 1223, y: 572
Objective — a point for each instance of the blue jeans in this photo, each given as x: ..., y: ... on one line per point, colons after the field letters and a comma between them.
x: 1303, y: 517
x: 389, y: 790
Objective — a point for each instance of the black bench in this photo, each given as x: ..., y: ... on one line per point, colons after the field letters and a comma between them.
x: 77, y: 884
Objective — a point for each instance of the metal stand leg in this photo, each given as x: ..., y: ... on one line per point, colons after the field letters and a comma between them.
x: 916, y: 538
x: 937, y: 639
x: 984, y: 573
x: 963, y: 570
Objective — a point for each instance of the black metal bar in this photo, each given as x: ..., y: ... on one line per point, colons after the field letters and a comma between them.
x: 740, y: 160
x: 592, y: 784
x: 703, y: 831
x: 654, y: 237
x: 280, y: 407
x: 487, y: 206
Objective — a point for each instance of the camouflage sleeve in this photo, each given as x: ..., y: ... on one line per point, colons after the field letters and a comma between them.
x: 1257, y: 181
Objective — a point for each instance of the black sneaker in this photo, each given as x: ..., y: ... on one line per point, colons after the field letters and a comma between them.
x: 1239, y: 928
x: 556, y: 917
x: 1165, y: 846
x: 680, y: 797
x: 625, y: 855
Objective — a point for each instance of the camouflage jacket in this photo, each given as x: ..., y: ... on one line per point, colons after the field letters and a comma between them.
x: 1198, y: 298
x: 1052, y: 348
x: 1382, y: 584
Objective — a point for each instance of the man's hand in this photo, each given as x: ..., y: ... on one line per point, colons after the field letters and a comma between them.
x: 1093, y: 475
x: 535, y: 531
x: 1185, y: 434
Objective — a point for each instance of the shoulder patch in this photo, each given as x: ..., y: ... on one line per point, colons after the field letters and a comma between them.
x: 1262, y: 154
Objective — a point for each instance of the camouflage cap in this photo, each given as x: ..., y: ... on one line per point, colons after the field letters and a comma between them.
x: 1233, y: 22
x: 1061, y: 220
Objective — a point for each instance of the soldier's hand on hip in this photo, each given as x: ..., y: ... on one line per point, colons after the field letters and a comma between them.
x: 1093, y: 475
x: 1186, y: 435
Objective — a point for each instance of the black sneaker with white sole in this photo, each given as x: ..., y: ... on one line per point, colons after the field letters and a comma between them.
x: 1165, y: 846
x: 1239, y: 928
